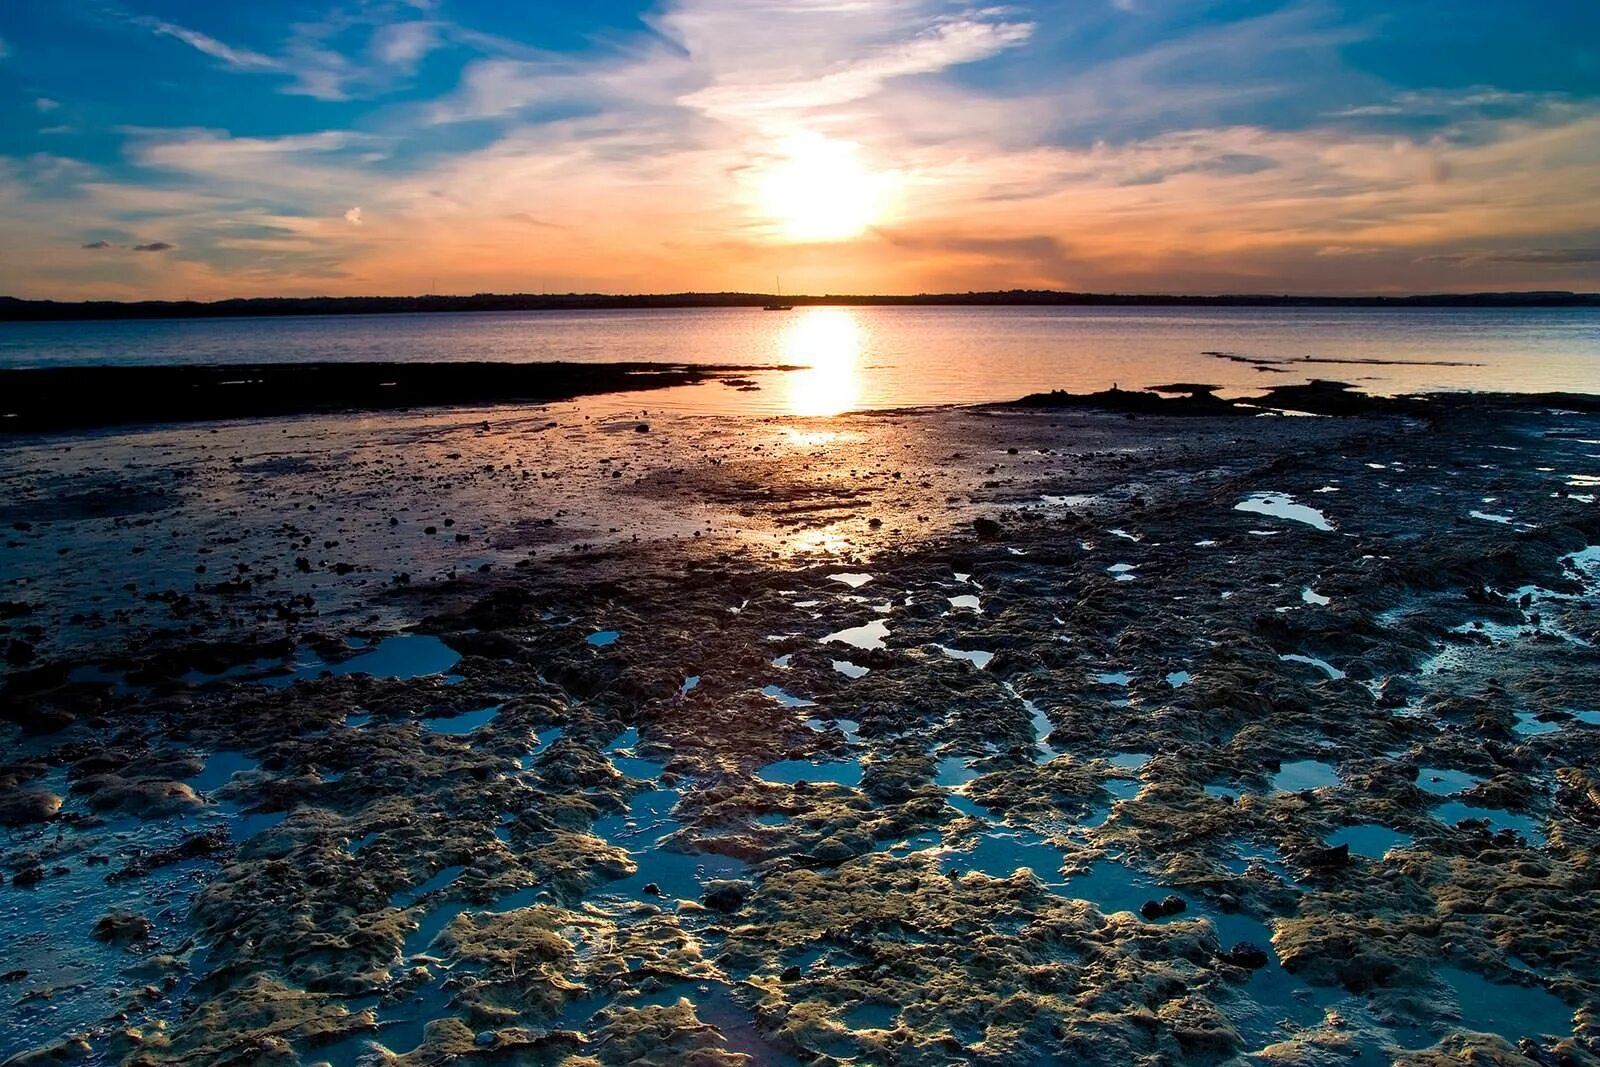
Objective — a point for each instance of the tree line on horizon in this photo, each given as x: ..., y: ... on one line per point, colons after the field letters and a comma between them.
x: 15, y: 309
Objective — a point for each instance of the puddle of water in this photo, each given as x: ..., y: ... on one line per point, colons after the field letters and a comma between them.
x: 1504, y: 520
x: 782, y: 662
x: 854, y: 581
x: 1590, y: 717
x: 219, y: 769
x: 1112, y: 678
x: 356, y: 722
x: 964, y: 602
x: 404, y: 898
x: 978, y: 659
x: 915, y: 843
x: 1129, y: 761
x: 850, y: 670
x: 1527, y: 725
x: 602, y: 638
x: 1441, y: 781
x: 1322, y: 665
x: 1512, y: 1011
x: 868, y: 636
x: 846, y: 772
x: 871, y: 1017
x: 786, y: 698
x: 400, y: 656
x: 1371, y: 840
x: 1282, y: 506
x: 776, y: 818
x: 1304, y: 774
x: 1002, y: 851
x: 1453, y: 811
x: 1311, y: 596
x: 679, y: 875
x: 464, y: 723
x: 542, y: 740
x: 954, y: 771
x: 1122, y: 572
x: 630, y: 765
x: 849, y: 727
x: 689, y: 683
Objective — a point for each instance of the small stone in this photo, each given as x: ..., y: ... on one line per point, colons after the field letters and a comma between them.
x: 1244, y: 954
x: 121, y: 927
x: 986, y: 528
x: 485, y: 1038
x: 726, y: 895
x: 651, y: 889
x: 790, y: 974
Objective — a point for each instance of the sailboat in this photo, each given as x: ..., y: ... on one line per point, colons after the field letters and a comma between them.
x: 779, y: 305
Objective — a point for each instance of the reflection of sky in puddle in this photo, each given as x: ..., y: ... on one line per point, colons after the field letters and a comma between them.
x: 1371, y: 840
x: 784, y: 697
x: 1441, y: 781
x: 870, y: 1017
x: 401, y: 656
x: 850, y: 670
x: 964, y: 602
x: 849, y: 727
x: 1129, y: 761
x: 868, y: 636
x: 1512, y: 1011
x: 220, y: 767
x: 853, y: 580
x: 464, y: 723
x: 1282, y: 506
x: 977, y: 658
x: 1304, y: 774
x: 602, y: 638
x: 1322, y: 665
x: 845, y: 772
x: 1453, y: 811
x: 1001, y: 851
x: 1528, y: 725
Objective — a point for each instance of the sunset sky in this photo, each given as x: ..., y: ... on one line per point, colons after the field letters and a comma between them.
x: 188, y: 149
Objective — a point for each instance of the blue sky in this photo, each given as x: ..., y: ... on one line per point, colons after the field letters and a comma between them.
x: 202, y: 149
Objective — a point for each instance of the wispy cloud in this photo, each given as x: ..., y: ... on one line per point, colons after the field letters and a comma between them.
x: 238, y: 58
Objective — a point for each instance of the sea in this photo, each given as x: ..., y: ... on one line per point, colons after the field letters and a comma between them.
x: 865, y: 358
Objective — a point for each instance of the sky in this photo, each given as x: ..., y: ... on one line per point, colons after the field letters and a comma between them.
x: 187, y: 149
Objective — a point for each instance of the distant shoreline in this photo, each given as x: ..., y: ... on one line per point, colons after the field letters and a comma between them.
x: 13, y: 309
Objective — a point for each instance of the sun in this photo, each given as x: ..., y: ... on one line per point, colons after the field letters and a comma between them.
x: 820, y: 190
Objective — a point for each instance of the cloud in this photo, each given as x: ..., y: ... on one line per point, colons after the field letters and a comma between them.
x: 403, y: 44
x: 5, y: 49
x: 1554, y: 256
x: 238, y: 58
x: 45, y: 105
x: 153, y: 246
x: 353, y: 216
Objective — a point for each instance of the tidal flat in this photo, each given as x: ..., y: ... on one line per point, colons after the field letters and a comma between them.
x: 584, y: 735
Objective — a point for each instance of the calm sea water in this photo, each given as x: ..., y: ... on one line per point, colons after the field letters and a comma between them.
x: 862, y: 358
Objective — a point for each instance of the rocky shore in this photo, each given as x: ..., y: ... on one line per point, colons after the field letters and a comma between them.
x: 1041, y: 734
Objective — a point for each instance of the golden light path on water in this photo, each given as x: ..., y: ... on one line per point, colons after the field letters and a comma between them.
x: 827, y: 342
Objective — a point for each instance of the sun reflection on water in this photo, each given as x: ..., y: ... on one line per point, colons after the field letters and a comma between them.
x: 826, y: 341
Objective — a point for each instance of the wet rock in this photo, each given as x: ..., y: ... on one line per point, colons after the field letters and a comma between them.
x: 19, y: 807
x: 726, y: 895
x: 1172, y: 904
x: 121, y: 927
x: 1244, y: 954
x: 987, y: 529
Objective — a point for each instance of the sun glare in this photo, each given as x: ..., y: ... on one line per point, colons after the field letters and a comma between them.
x: 826, y: 341
x: 820, y: 190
